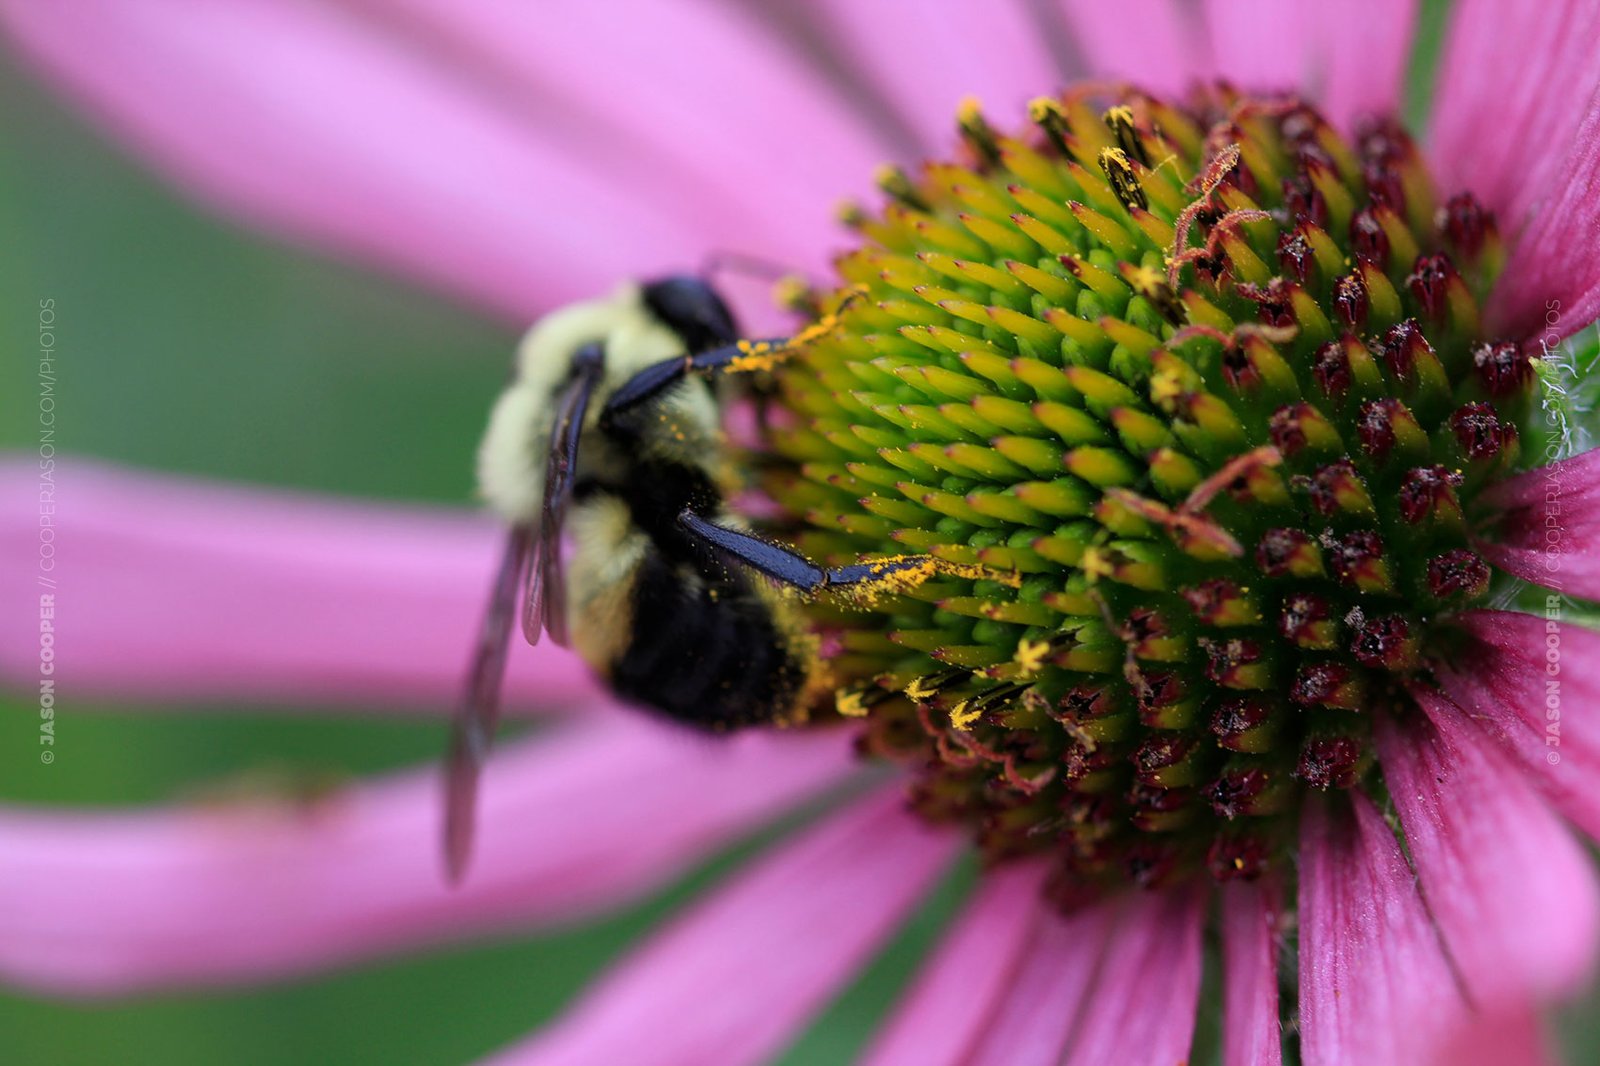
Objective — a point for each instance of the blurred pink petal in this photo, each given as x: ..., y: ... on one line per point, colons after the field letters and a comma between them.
x: 1251, y: 1031
x: 1513, y: 137
x: 375, y: 139
x: 1508, y: 1034
x: 1502, y: 680
x: 739, y: 974
x: 1375, y: 988
x: 700, y: 109
x: 605, y: 812
x: 925, y: 66
x: 1141, y: 1008
x: 181, y: 589
x: 1349, y: 57
x: 1047, y: 995
x: 1494, y: 861
x: 1549, y: 531
x: 966, y: 982
x: 1166, y: 55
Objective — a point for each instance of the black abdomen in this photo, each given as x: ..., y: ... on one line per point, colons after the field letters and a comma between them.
x: 705, y: 650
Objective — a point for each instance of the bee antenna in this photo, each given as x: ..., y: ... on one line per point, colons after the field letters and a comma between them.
x: 725, y: 262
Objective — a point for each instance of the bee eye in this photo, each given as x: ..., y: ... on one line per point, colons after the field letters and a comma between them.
x: 692, y: 309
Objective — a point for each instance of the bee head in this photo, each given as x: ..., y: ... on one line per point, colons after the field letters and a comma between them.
x: 692, y: 309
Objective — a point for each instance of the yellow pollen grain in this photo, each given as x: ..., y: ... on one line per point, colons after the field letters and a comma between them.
x: 969, y: 111
x: 1041, y: 108
x: 1097, y: 563
x: 963, y: 714
x: 1146, y: 279
x: 1166, y: 386
x: 1121, y: 114
x: 1030, y: 655
x: 850, y: 704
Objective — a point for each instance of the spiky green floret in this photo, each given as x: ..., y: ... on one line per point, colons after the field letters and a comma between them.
x: 1210, y: 381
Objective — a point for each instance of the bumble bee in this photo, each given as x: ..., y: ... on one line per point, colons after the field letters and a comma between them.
x: 611, y: 430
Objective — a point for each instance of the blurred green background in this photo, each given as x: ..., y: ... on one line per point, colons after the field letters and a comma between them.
x: 189, y: 345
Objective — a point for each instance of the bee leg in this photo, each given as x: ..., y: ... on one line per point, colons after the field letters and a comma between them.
x: 657, y: 378
x: 862, y: 581
x: 739, y: 357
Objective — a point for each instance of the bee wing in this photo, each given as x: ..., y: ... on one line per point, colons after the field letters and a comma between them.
x: 545, y: 607
x: 472, y: 729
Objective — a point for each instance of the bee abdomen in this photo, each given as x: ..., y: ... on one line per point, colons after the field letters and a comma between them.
x: 707, y: 654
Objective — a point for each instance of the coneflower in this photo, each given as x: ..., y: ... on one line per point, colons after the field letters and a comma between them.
x: 1250, y: 407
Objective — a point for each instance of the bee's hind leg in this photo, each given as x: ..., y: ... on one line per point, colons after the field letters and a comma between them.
x: 864, y: 581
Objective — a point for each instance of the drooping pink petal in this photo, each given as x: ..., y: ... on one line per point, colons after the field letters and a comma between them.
x: 1167, y: 54
x: 924, y: 66
x: 1251, y: 1031
x: 963, y: 986
x: 1037, y: 1015
x: 1548, y: 531
x: 738, y: 975
x: 169, y: 588
x: 1495, y: 863
x: 1516, y: 122
x: 1533, y: 683
x: 1141, y: 1009
x: 519, y: 178
x: 1374, y: 985
x: 109, y: 903
x: 1350, y: 57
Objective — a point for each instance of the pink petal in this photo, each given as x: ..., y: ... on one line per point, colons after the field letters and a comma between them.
x: 1141, y: 1010
x: 520, y: 178
x: 1548, y: 531
x: 963, y: 986
x: 738, y: 975
x: 1551, y: 285
x: 1516, y: 122
x: 1349, y: 57
x: 1167, y: 54
x: 1510, y: 1033
x: 1036, y: 1016
x: 1573, y: 483
x: 925, y: 66
x: 706, y: 111
x: 1503, y: 677
x: 1374, y: 986
x: 1495, y: 863
x: 108, y: 903
x: 180, y: 589
x: 1251, y: 1031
